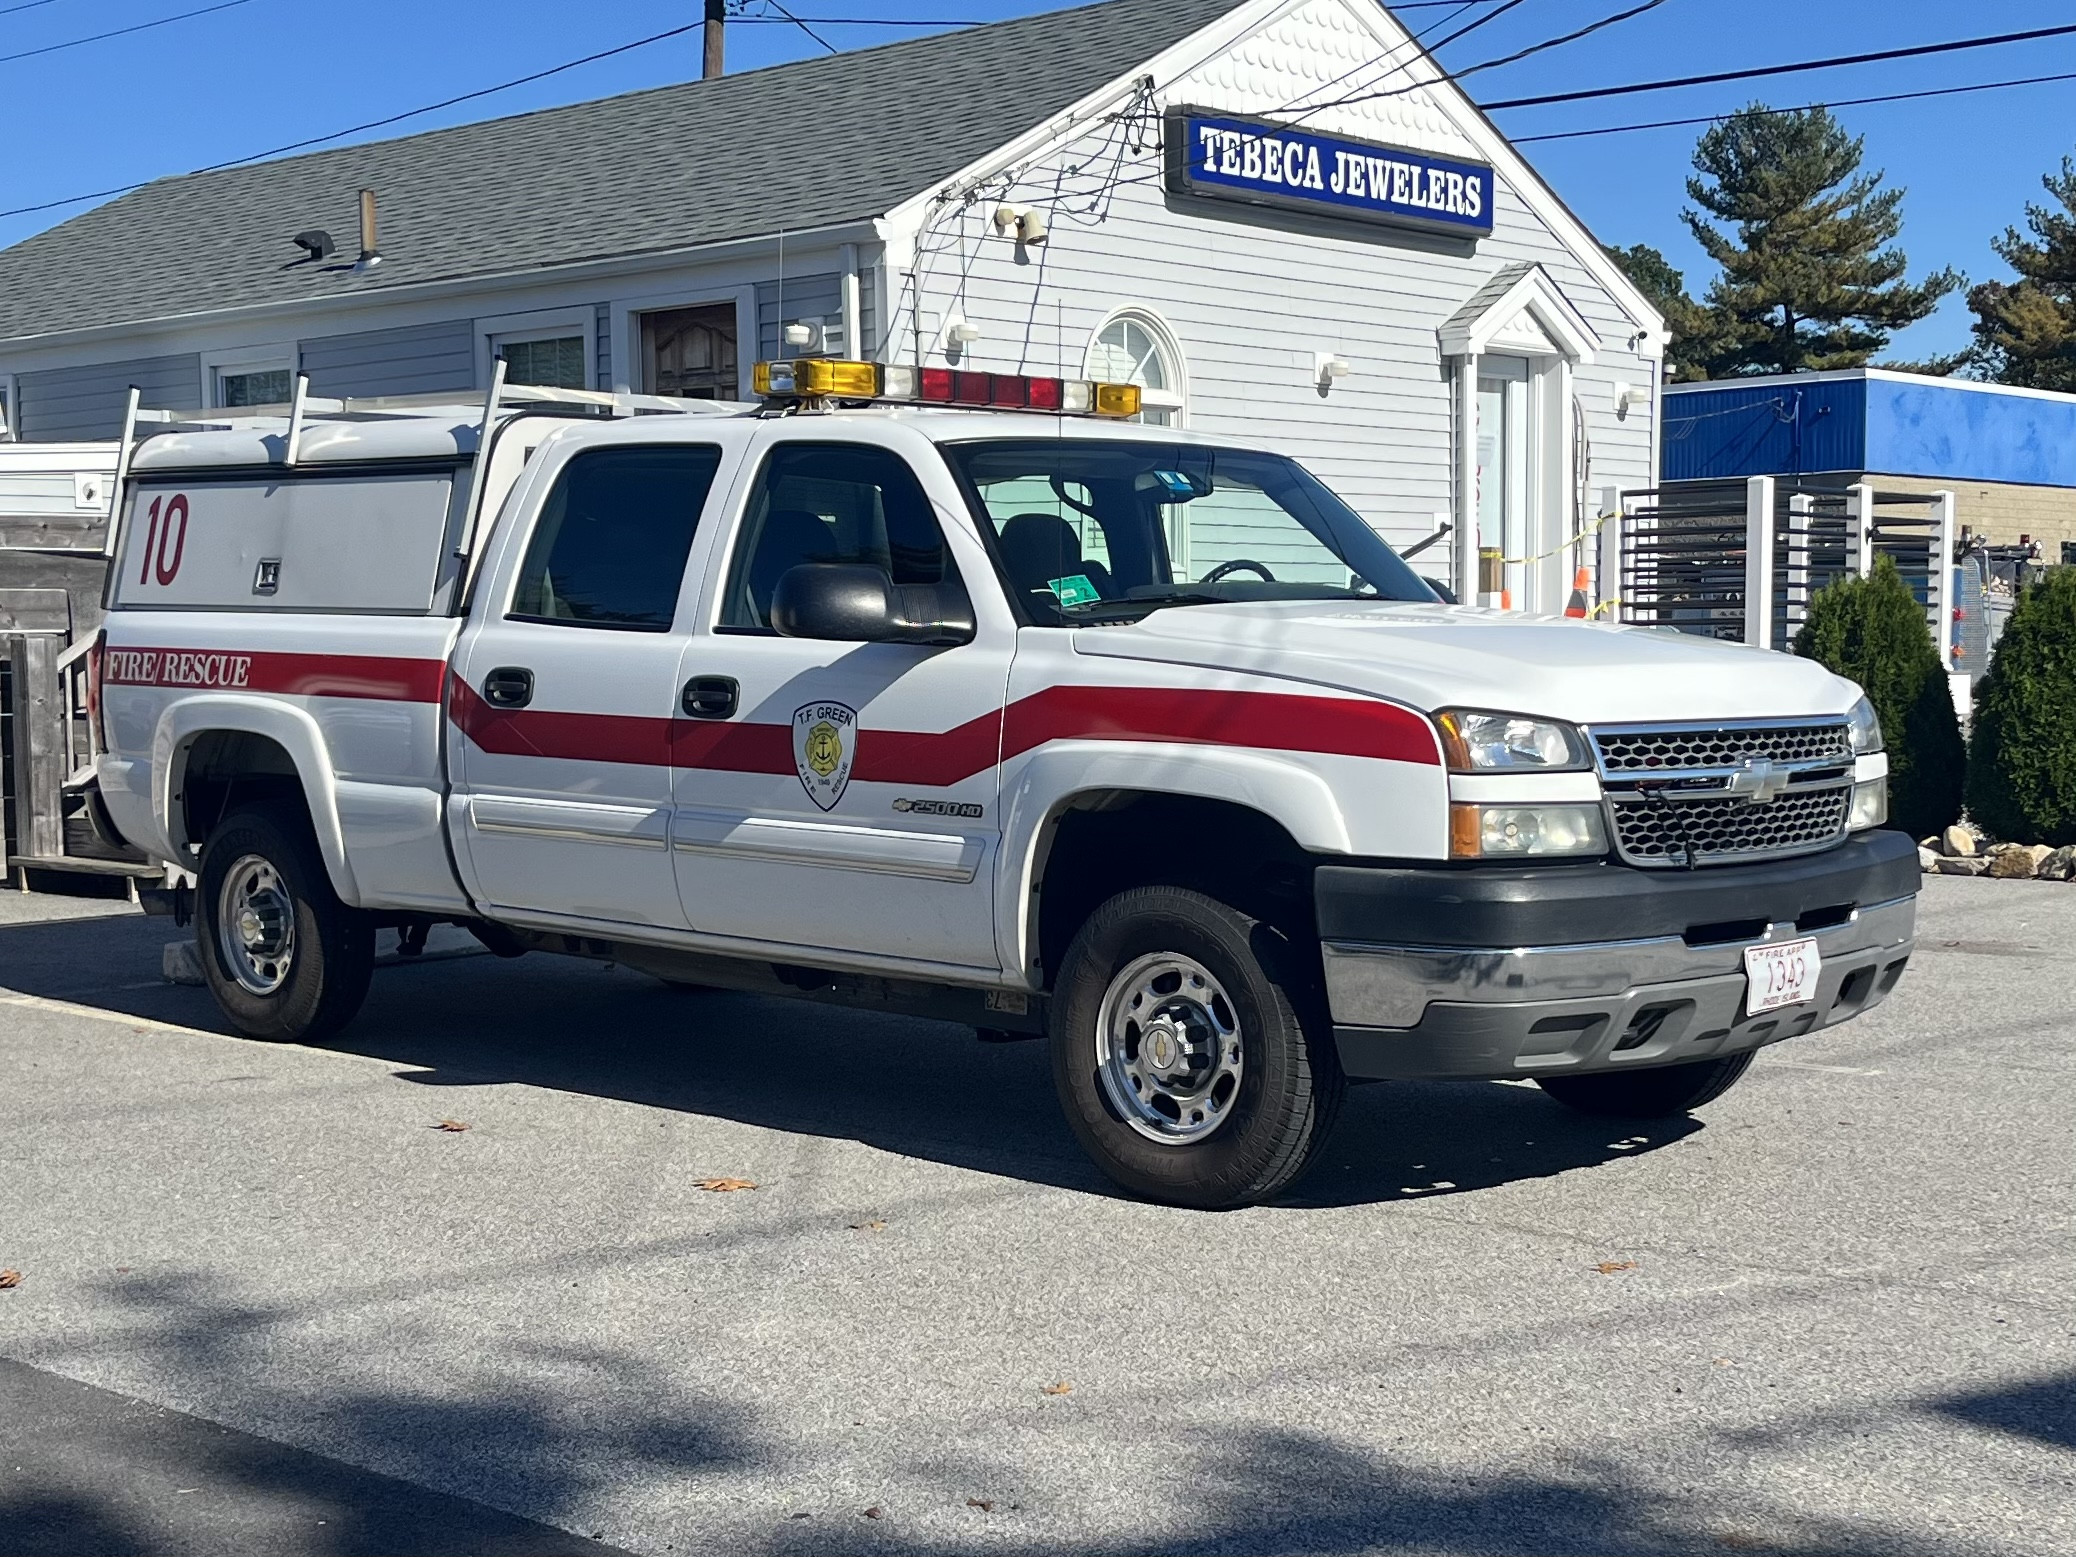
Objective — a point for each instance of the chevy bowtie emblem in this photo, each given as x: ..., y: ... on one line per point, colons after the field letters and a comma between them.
x: 1758, y: 780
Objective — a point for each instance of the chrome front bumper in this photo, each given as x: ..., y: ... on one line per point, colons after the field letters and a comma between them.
x: 1413, y: 1011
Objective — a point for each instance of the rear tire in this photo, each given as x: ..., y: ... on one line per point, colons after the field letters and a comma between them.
x: 1649, y: 1094
x: 1189, y: 1052
x: 285, y: 959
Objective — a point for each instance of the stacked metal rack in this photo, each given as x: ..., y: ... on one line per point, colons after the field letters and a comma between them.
x: 1740, y: 560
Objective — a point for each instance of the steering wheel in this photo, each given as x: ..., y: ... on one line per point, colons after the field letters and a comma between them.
x: 1224, y: 568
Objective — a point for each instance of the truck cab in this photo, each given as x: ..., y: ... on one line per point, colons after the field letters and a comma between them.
x: 1027, y: 717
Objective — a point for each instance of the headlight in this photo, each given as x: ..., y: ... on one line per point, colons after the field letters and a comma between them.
x: 1865, y: 726
x: 1508, y: 743
x: 1524, y: 832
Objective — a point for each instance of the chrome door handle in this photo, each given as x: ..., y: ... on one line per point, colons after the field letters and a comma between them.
x: 710, y: 697
x: 509, y: 686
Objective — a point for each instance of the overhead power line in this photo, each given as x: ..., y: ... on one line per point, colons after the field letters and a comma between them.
x: 1843, y: 102
x: 372, y: 124
x: 1390, y: 62
x: 1457, y: 75
x: 120, y: 32
x: 787, y: 16
x: 1755, y: 72
x: 1586, y: 31
x: 26, y: 5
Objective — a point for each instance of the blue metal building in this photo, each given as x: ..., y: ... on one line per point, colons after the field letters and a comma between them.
x: 2008, y: 455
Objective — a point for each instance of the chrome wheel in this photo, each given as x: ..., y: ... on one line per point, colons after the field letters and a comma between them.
x: 1168, y: 1049
x: 256, y: 925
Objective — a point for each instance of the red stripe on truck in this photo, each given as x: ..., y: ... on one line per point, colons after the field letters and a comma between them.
x: 380, y: 677
x: 1267, y: 721
x: 1271, y: 721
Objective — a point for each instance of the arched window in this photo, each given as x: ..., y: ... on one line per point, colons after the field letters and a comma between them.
x: 1134, y: 349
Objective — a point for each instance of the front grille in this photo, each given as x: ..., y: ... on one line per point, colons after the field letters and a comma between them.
x: 1726, y: 828
x: 1671, y: 796
x: 1720, y: 746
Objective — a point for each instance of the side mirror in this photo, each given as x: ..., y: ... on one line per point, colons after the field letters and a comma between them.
x: 851, y: 602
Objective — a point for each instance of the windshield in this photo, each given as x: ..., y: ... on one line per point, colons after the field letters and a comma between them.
x: 1102, y: 529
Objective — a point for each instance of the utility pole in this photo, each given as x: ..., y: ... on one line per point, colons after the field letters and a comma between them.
x: 716, y: 14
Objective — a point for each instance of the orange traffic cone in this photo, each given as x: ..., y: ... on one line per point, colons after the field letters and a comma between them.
x: 1576, y: 606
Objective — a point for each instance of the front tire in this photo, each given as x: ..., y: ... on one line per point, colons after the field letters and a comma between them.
x: 1187, y: 1051
x: 285, y: 959
x: 1649, y: 1094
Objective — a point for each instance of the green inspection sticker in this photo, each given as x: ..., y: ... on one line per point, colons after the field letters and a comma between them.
x: 1074, y: 590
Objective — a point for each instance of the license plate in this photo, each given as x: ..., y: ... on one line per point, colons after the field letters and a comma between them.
x: 1784, y: 974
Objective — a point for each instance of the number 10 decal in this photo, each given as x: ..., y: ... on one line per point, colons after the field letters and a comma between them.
x: 154, y: 535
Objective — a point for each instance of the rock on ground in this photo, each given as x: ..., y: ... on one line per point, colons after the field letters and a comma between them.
x: 1962, y: 840
x: 2060, y: 865
x: 1959, y: 866
x: 2017, y: 861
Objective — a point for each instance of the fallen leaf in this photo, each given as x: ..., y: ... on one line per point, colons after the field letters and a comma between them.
x: 874, y: 1512
x: 1609, y: 1267
x: 724, y: 1186
x: 10, y: 1278
x: 1057, y: 1389
x: 982, y: 1504
x: 451, y: 1126
x: 1722, y: 1362
x: 874, y: 1226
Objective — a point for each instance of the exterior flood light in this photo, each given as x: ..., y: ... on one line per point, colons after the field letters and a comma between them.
x: 962, y: 332
x: 1027, y: 223
x: 1328, y: 366
x: 803, y: 335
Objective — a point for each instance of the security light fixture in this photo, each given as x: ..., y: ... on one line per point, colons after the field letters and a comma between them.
x: 1328, y: 366
x: 1025, y: 223
x: 962, y: 333
x: 803, y: 335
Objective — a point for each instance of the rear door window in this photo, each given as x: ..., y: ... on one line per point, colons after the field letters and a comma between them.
x: 609, y: 548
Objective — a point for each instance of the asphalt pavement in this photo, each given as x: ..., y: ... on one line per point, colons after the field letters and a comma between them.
x: 266, y: 1304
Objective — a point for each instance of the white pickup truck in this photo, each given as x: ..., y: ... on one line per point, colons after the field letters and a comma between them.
x: 1042, y: 722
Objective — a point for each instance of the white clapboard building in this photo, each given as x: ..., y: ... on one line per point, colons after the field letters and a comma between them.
x: 1274, y: 214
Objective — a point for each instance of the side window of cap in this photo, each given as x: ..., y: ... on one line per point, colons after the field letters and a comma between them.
x: 608, y: 549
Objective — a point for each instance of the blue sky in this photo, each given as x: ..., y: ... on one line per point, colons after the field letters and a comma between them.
x: 264, y: 72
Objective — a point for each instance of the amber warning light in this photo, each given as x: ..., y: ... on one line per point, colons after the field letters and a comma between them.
x: 826, y: 378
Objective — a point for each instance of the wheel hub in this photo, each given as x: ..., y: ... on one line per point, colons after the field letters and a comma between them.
x: 1168, y: 1049
x: 256, y: 925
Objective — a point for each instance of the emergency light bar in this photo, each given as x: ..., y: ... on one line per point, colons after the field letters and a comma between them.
x: 808, y: 377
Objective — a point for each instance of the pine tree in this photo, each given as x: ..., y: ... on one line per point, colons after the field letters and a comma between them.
x: 1811, y: 277
x: 2025, y: 330
x: 1691, y: 326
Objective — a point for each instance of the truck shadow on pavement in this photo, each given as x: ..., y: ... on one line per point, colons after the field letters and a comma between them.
x: 915, y: 1088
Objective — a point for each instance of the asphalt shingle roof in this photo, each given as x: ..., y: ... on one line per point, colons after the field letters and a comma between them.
x: 807, y: 144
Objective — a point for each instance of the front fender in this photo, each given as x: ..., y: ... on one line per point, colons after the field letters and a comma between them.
x: 1048, y: 783
x: 289, y: 727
